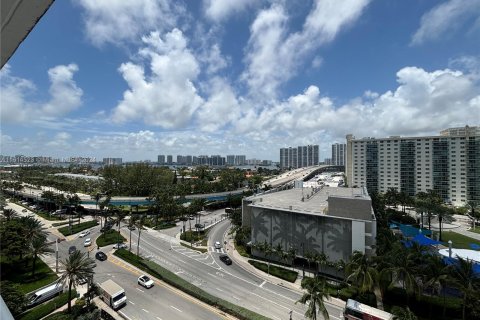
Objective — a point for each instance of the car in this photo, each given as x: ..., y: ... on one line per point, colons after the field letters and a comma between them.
x: 120, y: 245
x: 217, y: 245
x: 72, y: 249
x: 88, y: 242
x: 145, y: 281
x: 84, y: 233
x: 101, y: 256
x: 226, y: 259
x: 131, y: 227
x: 24, y: 210
x: 192, y: 217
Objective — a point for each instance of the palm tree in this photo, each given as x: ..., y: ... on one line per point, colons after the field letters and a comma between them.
x: 10, y: 214
x: 39, y: 247
x: 33, y: 228
x: 139, y: 223
x: 119, y: 217
x: 400, y: 313
x: 78, y: 268
x: 292, y: 253
x: 268, y: 252
x: 443, y: 213
x: 316, y: 293
x: 131, y: 223
x: 361, y: 271
x: 309, y: 255
x: 467, y: 281
x: 435, y: 276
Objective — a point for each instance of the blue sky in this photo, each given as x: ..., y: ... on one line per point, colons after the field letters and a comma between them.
x: 138, y: 78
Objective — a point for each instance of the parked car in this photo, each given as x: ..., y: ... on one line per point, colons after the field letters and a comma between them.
x: 217, y: 245
x: 101, y: 256
x: 145, y: 281
x: 72, y: 249
x: 88, y: 242
x: 84, y: 233
x: 120, y: 245
x: 226, y: 259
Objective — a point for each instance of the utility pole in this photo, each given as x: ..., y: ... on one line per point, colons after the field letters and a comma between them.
x: 56, y: 255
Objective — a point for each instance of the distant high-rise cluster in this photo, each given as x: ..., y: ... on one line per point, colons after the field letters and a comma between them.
x: 448, y: 164
x: 299, y: 157
x: 213, y: 160
x: 338, y: 154
x: 112, y: 161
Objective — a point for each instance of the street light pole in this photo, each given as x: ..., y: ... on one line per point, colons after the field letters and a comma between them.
x: 303, y: 259
x: 56, y: 255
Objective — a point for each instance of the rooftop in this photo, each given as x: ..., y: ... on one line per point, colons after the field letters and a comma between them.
x: 291, y: 200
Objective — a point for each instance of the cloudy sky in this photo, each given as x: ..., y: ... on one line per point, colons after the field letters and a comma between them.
x: 138, y: 78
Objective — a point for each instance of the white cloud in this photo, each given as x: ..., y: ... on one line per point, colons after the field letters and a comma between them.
x: 220, y: 109
x: 118, y: 21
x: 60, y: 141
x: 19, y: 103
x: 219, y: 10
x: 446, y: 18
x: 423, y: 102
x: 166, y: 96
x: 274, y: 54
x: 65, y: 95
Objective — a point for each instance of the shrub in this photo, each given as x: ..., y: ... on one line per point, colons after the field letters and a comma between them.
x: 77, y: 227
x: 276, y: 271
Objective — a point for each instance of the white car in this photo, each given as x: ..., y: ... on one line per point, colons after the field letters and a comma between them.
x: 84, y: 233
x: 217, y: 245
x: 145, y: 281
x: 119, y: 246
x: 88, y: 242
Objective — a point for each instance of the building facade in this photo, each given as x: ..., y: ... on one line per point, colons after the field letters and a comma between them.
x: 334, y: 221
x: 338, y: 154
x: 299, y: 157
x: 449, y: 164
x: 112, y: 161
x: 161, y: 159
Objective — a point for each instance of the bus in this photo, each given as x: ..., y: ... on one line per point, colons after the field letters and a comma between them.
x: 355, y: 310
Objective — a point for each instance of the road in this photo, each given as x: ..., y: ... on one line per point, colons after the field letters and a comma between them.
x: 230, y: 283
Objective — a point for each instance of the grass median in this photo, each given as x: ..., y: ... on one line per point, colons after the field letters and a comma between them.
x: 174, y: 280
x: 458, y: 240
x: 66, y: 231
x: 276, y: 271
x: 110, y: 237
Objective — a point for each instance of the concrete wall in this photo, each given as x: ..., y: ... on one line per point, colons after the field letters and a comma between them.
x: 332, y: 236
x: 352, y: 208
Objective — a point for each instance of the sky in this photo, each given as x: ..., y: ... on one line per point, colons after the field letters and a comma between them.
x: 139, y: 78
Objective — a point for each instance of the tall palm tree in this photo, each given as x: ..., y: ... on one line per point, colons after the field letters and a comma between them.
x: 467, y: 281
x: 119, y: 217
x: 131, y: 223
x: 139, y: 223
x: 361, y: 271
x: 77, y: 269
x: 435, y: 276
x: 10, y: 214
x: 268, y: 252
x: 316, y: 292
x: 292, y: 253
x: 39, y: 247
x: 33, y: 228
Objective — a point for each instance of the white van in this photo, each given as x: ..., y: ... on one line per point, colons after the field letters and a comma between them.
x: 44, y: 294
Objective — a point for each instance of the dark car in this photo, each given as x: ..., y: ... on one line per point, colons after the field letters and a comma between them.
x: 72, y: 249
x: 226, y: 259
x: 101, y: 256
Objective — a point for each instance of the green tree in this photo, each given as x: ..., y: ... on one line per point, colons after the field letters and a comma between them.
x: 400, y: 313
x: 361, y: 271
x: 467, y: 281
x: 9, y: 214
x: 120, y: 216
x: 13, y: 297
x: 435, y: 276
x: 39, y: 247
x: 139, y: 223
x: 316, y: 292
x: 78, y: 268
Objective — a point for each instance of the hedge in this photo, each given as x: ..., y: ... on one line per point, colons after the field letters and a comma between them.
x: 77, y: 227
x: 177, y: 282
x: 44, y: 309
x: 276, y: 271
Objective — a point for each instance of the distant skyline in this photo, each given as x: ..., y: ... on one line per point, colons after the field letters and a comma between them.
x: 138, y: 78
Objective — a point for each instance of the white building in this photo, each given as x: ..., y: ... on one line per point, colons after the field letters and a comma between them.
x: 448, y: 164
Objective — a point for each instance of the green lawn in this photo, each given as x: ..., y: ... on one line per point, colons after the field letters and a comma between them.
x: 21, y: 273
x: 77, y: 227
x: 458, y: 241
x: 276, y: 271
x: 109, y: 237
x: 477, y: 229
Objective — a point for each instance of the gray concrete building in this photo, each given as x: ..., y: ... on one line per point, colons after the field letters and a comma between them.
x: 335, y: 221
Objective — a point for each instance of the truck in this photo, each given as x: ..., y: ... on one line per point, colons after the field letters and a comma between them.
x: 112, y: 294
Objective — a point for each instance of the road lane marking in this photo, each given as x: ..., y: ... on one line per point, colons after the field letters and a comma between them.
x: 131, y: 302
x: 181, y: 260
x: 178, y: 272
x: 219, y: 289
x: 140, y: 290
x: 274, y: 317
x: 264, y: 281
x: 176, y: 309
x: 146, y: 311
x: 158, y: 318
x: 236, y: 298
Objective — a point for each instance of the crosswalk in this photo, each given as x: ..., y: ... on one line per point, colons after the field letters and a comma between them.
x: 213, y: 249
